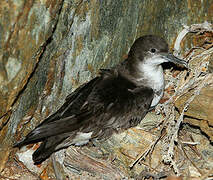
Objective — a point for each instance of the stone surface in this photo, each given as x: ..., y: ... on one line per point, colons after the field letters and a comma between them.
x: 48, y: 48
x: 199, y: 112
x: 111, y: 159
x: 210, y: 66
x: 24, y: 29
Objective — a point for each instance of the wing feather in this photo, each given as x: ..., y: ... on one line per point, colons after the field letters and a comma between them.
x: 105, y: 104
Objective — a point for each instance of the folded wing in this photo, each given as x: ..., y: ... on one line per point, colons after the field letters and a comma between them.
x: 99, y: 108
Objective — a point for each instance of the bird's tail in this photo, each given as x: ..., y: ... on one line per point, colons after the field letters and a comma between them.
x: 24, y: 142
x: 47, y: 147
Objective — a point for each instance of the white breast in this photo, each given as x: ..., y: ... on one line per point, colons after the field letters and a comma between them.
x: 153, y: 77
x: 156, y: 99
x: 82, y: 138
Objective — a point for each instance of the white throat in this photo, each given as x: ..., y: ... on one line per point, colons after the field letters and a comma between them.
x: 153, y: 77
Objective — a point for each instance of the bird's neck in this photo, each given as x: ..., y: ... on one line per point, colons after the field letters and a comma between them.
x: 143, y: 74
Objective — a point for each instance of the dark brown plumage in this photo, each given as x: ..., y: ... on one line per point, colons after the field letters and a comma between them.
x: 116, y: 100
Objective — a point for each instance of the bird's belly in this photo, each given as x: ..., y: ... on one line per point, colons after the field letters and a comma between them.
x: 158, y: 87
x: 82, y: 138
x: 157, y: 98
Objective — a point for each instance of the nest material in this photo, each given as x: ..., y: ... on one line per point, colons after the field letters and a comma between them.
x: 193, y: 81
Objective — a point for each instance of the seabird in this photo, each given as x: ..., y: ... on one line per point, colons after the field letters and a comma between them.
x: 114, y: 101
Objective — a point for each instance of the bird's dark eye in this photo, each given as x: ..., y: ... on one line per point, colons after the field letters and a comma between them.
x: 152, y: 50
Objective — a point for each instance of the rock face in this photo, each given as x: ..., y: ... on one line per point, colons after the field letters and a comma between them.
x: 199, y: 112
x: 25, y: 30
x: 48, y: 48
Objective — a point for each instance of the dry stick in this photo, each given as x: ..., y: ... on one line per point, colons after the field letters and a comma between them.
x: 190, y: 143
x: 149, y: 149
x: 190, y: 159
x: 179, y: 121
x: 193, y: 80
x: 144, y: 154
x: 193, y: 28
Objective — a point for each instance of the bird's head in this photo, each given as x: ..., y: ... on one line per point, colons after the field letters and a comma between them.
x: 153, y: 50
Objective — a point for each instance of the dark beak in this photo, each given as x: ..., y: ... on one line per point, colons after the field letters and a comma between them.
x: 171, y: 58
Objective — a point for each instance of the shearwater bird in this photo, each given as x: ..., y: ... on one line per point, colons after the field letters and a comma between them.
x: 116, y: 100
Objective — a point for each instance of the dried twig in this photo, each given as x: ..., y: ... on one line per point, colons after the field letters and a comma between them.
x: 195, y: 81
x: 183, y: 149
x: 187, y: 29
x: 149, y: 150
